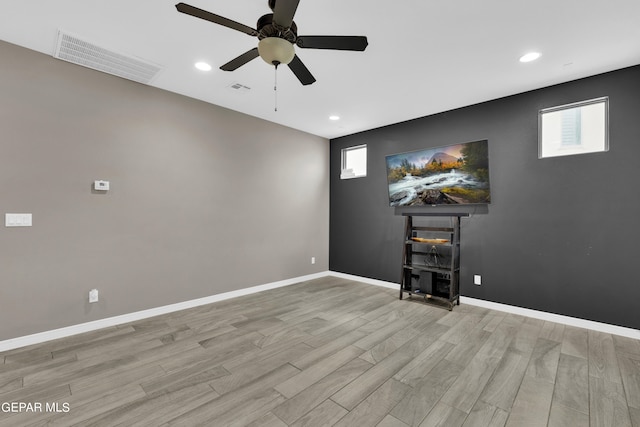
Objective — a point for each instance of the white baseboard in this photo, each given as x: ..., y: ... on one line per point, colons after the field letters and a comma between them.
x: 366, y: 280
x: 557, y: 318
x: 41, y: 337
x: 542, y: 315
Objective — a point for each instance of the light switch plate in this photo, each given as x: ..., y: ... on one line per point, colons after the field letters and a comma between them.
x: 18, y: 220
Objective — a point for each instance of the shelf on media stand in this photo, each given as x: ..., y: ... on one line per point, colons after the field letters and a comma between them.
x: 431, y: 259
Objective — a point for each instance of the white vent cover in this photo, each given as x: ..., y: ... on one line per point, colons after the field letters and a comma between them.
x: 73, y: 49
x: 239, y: 88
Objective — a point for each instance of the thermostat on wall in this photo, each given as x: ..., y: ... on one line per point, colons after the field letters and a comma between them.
x: 101, y: 185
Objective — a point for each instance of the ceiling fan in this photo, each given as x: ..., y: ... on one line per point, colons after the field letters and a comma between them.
x: 277, y: 34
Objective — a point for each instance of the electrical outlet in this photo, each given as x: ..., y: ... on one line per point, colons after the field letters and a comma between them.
x: 477, y: 279
x: 313, y: 260
x: 93, y: 295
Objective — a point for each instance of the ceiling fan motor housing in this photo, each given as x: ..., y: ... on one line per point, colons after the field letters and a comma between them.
x: 276, y: 42
x: 267, y: 28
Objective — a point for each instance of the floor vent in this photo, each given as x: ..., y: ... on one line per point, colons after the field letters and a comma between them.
x: 73, y: 49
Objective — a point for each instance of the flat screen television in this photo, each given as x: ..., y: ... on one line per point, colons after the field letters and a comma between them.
x: 450, y: 175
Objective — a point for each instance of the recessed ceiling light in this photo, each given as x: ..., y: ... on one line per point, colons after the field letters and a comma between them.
x: 334, y: 118
x: 203, y: 66
x: 531, y: 56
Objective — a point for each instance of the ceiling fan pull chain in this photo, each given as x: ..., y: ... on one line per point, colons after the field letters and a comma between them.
x: 275, y: 87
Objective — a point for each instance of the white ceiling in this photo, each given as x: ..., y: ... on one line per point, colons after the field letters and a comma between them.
x: 424, y: 56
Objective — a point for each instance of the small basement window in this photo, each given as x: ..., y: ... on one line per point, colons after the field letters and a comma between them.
x: 354, y: 162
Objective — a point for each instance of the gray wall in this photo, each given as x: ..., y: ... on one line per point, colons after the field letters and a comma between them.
x: 561, y: 234
x: 202, y: 201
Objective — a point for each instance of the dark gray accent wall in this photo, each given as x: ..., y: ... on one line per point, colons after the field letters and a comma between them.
x: 203, y: 200
x: 561, y: 234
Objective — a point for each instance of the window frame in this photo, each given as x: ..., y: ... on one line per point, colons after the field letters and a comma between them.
x: 349, y: 173
x: 592, y: 139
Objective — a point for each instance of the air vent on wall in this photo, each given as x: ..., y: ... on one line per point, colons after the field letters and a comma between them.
x: 73, y: 49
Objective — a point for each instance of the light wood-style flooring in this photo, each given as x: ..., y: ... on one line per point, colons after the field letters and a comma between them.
x: 327, y: 352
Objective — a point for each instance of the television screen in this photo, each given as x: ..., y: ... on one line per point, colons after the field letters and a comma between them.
x: 451, y: 175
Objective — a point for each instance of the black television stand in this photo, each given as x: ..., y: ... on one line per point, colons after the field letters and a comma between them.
x: 431, y: 259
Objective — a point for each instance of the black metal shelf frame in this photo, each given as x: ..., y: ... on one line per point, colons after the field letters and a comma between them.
x: 439, y: 282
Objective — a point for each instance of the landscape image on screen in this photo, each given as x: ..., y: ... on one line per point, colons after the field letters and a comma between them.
x: 451, y: 175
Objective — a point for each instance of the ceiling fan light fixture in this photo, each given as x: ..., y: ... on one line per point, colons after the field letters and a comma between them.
x: 275, y: 51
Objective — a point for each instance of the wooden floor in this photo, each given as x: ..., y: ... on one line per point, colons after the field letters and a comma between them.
x: 327, y: 352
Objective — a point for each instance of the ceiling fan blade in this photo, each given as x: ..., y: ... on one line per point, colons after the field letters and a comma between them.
x: 301, y: 71
x: 358, y: 43
x: 240, y: 60
x: 284, y: 11
x: 217, y: 19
